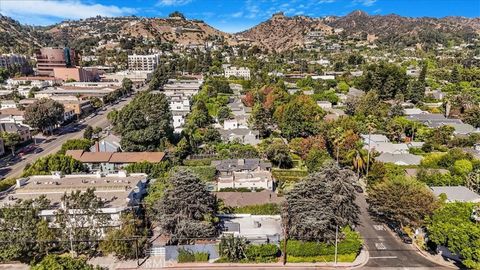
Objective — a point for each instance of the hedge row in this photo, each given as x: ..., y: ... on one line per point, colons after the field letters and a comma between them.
x: 7, y: 183
x: 327, y: 258
x: 351, y: 244
x: 262, y: 253
x: 288, y: 175
x: 259, y: 209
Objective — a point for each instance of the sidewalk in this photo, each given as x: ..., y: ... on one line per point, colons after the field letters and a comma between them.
x: 361, y: 260
x: 438, y: 259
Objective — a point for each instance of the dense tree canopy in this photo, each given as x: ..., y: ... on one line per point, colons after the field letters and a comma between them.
x: 322, y: 201
x: 453, y: 227
x: 144, y: 123
x: 300, y: 117
x: 402, y: 200
x: 44, y: 114
x: 186, y: 210
x: 387, y: 80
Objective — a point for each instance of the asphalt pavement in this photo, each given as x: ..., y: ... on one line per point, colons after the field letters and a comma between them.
x: 386, y: 250
x: 54, y: 143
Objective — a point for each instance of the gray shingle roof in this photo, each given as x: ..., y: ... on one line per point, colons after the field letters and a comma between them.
x: 457, y: 193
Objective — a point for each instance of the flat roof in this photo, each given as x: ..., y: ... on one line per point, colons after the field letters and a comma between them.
x: 113, y: 189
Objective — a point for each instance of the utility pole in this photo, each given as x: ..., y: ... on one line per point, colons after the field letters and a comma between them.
x: 336, y: 244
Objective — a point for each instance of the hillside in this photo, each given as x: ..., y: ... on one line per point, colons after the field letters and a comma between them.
x: 394, y: 29
x: 281, y: 32
x: 15, y: 37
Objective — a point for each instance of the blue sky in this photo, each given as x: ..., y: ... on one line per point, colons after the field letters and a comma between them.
x: 228, y: 15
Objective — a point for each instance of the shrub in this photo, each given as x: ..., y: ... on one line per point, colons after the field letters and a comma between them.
x: 185, y: 255
x: 201, y: 256
x: 7, y: 183
x: 259, y: 209
x: 152, y: 169
x: 262, y: 253
x: 350, y: 244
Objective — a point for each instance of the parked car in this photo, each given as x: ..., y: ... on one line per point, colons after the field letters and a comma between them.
x: 393, y: 226
x: 405, y: 238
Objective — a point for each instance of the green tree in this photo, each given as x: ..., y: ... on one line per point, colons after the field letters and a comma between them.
x: 76, y: 144
x: 88, y: 132
x: 224, y: 113
x: 187, y: 209
x: 402, y: 200
x: 232, y: 248
x: 18, y: 230
x: 452, y: 226
x: 65, y: 262
x: 463, y: 167
x: 300, y: 117
x: 128, y: 241
x: 10, y: 140
x: 323, y: 200
x: 127, y: 85
x: 279, y: 154
x: 81, y: 232
x: 54, y: 162
x: 455, y: 75
x: 316, y: 160
x: 472, y: 116
x: 44, y: 114
x: 144, y: 123
x: 386, y: 79
x: 260, y: 120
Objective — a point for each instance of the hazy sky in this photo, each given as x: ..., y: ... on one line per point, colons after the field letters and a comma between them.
x: 228, y: 15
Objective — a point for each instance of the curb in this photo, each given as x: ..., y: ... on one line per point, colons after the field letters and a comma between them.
x: 427, y: 256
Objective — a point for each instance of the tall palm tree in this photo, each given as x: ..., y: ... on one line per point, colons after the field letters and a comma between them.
x: 371, y: 126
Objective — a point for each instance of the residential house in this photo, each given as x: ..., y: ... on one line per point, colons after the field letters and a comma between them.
x: 399, y: 159
x: 120, y: 191
x: 111, y: 143
x: 8, y: 104
x: 113, y: 161
x: 456, y: 194
x: 22, y: 131
x: 254, y: 228
x: 244, y: 173
x: 242, y: 135
x: 241, y: 72
x: 435, y: 120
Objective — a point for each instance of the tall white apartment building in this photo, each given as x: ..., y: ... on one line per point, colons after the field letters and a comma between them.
x: 242, y: 72
x: 143, y: 62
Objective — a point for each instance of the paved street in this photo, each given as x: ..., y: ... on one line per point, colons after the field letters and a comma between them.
x: 386, y: 251
x: 67, y: 132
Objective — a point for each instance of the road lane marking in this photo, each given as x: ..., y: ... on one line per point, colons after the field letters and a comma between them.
x: 380, y: 246
x: 379, y: 227
x: 383, y: 257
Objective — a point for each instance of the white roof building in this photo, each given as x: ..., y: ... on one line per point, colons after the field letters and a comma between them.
x: 457, y: 194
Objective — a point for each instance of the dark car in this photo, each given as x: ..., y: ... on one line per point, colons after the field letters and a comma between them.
x: 358, y: 189
x: 405, y: 238
x: 393, y: 226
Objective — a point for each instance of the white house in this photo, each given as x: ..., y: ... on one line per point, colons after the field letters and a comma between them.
x: 241, y: 72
